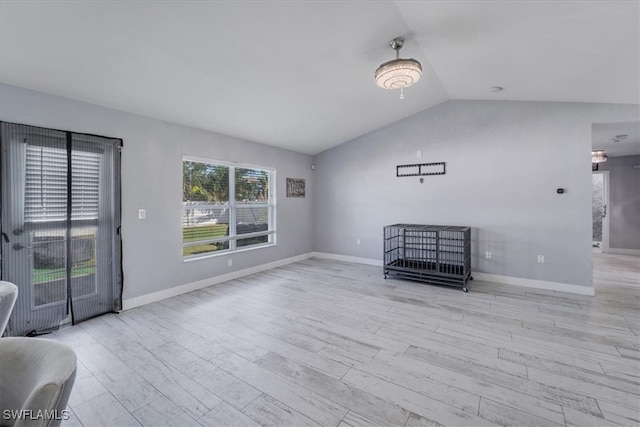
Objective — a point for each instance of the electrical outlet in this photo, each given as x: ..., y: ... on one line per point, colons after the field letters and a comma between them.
x: 540, y: 259
x: 419, y: 153
x: 142, y: 213
x: 358, y: 242
x: 229, y: 262
x: 487, y: 255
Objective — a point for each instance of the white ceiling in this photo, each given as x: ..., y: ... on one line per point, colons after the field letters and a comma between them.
x: 299, y: 75
x: 604, y: 137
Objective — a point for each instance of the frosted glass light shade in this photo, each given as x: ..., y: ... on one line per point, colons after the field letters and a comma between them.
x: 599, y: 156
x: 398, y: 73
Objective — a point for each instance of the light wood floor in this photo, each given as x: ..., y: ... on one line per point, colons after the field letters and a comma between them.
x: 334, y: 344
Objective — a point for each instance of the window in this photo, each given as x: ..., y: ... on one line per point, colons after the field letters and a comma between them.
x: 226, y: 207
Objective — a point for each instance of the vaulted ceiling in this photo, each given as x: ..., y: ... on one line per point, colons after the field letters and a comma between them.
x: 617, y: 139
x: 299, y: 75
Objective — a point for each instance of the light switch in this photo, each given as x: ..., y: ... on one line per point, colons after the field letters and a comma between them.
x: 142, y: 213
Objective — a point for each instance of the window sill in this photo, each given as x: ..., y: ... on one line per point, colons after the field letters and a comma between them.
x: 223, y: 253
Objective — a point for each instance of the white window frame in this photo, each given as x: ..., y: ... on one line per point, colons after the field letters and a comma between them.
x: 232, y: 238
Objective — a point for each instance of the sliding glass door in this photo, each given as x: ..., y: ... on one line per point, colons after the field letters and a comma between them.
x: 60, y: 223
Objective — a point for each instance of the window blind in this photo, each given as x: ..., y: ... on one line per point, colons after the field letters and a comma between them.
x: 45, y: 197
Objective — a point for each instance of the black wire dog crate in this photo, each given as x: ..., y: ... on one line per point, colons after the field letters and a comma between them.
x: 434, y: 254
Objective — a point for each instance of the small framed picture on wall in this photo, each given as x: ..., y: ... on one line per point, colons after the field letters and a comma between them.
x: 295, y: 187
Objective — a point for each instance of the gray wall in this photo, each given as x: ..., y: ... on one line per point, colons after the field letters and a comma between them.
x: 505, y: 161
x: 624, y: 201
x: 152, y: 179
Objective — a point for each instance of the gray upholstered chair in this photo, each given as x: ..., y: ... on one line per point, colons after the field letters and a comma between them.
x: 36, y: 377
x: 8, y: 296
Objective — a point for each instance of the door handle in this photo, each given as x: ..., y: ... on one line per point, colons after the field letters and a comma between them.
x: 604, y: 211
x: 5, y: 237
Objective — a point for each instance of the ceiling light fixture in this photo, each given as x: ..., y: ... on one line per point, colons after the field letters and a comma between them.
x: 619, y: 138
x: 398, y: 73
x: 599, y: 156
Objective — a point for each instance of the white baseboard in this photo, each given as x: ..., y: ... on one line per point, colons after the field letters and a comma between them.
x: 346, y: 258
x: 193, y: 286
x: 507, y: 280
x: 621, y: 251
x: 532, y: 283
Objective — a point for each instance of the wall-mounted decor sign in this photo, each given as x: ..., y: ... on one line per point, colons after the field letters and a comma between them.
x: 295, y: 187
x: 422, y: 169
